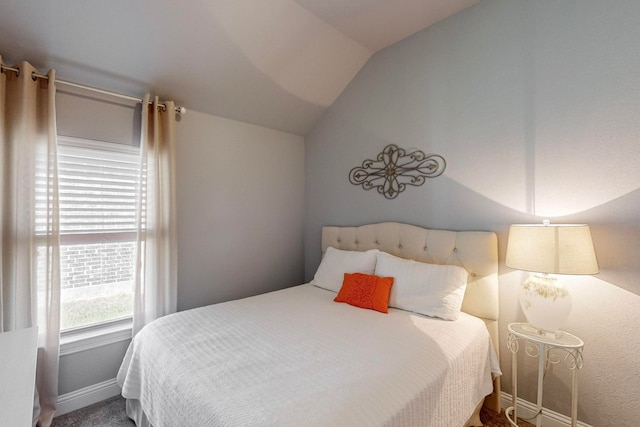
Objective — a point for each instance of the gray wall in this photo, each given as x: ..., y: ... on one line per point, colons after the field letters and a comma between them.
x: 240, y: 192
x: 534, y: 106
x: 240, y: 209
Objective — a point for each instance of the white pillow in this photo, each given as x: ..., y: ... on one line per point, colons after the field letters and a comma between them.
x: 336, y: 262
x: 429, y: 289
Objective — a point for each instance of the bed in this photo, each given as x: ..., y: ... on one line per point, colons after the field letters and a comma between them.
x: 295, y: 357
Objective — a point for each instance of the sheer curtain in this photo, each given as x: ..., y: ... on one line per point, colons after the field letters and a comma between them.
x: 29, y: 236
x: 156, y: 248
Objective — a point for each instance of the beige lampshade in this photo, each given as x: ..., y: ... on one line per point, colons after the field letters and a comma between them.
x: 551, y: 248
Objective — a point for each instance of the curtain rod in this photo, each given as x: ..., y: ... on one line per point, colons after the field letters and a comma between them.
x: 179, y: 110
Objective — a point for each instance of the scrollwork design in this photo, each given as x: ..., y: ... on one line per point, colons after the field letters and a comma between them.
x: 532, y: 350
x: 394, y: 169
x: 512, y: 343
x: 573, y: 359
x: 553, y: 357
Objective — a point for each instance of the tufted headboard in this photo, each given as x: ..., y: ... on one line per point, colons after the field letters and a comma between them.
x: 475, y: 251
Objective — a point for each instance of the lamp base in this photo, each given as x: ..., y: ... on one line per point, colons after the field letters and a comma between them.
x: 546, y: 304
x: 557, y: 334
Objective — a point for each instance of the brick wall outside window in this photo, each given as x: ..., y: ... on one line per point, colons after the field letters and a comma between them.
x: 96, y: 264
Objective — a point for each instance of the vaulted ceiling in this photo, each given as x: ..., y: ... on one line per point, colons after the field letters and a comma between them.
x: 274, y: 63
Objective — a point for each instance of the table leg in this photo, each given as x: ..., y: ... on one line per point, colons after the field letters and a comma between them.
x: 542, y: 356
x: 574, y: 398
x: 514, y: 383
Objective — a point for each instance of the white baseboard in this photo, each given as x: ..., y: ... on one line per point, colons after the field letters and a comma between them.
x: 87, y: 396
x: 528, y: 410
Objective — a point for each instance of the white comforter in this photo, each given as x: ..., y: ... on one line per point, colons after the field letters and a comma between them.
x: 296, y: 358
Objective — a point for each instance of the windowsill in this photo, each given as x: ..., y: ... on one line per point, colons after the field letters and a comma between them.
x: 90, y: 337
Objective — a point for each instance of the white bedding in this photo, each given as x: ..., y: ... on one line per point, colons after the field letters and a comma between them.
x: 294, y: 357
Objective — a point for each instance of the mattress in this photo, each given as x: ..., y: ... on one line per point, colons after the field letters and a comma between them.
x: 294, y: 357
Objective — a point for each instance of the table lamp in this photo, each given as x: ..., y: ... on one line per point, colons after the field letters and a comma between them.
x: 549, y: 249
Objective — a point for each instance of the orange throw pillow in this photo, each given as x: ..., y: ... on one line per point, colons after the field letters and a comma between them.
x: 366, y: 291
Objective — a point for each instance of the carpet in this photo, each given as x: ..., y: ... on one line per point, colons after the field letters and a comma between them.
x: 111, y: 413
x: 108, y: 413
x: 493, y: 419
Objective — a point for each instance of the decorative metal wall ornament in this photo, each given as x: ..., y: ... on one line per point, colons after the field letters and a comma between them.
x: 394, y: 169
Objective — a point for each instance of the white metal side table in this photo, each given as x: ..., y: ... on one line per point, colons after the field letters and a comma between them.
x: 548, y: 348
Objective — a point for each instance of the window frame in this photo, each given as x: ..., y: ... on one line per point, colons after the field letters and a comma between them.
x: 111, y: 331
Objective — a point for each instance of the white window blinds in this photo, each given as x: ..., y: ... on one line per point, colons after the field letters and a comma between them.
x: 97, y: 187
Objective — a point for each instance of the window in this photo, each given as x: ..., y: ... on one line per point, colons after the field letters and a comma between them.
x: 97, y: 190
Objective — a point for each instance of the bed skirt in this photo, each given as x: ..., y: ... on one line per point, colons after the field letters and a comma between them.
x: 135, y: 412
